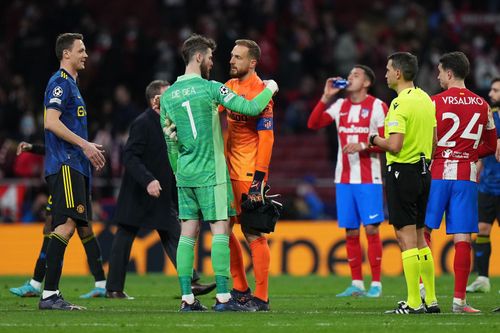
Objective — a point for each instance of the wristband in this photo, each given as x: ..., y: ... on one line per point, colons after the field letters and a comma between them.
x: 372, y: 139
x: 363, y: 145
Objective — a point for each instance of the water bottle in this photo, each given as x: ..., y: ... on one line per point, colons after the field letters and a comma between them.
x: 340, y: 83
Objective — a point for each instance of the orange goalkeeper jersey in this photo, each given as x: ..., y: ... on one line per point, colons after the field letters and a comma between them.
x: 250, y: 139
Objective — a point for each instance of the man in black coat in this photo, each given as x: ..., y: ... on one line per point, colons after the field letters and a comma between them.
x: 147, y: 196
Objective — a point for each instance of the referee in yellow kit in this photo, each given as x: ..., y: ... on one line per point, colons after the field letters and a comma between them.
x: 410, y: 131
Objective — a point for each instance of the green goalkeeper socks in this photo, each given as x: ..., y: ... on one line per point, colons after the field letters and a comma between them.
x: 220, y: 261
x: 185, y: 260
x: 411, y: 267
x: 427, y: 274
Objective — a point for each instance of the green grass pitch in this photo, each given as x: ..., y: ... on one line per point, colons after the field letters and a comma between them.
x: 299, y: 304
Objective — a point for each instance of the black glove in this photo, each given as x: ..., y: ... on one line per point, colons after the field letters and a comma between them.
x: 256, y: 192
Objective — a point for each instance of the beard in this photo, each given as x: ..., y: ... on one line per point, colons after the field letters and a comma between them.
x: 235, y: 73
x: 205, y: 71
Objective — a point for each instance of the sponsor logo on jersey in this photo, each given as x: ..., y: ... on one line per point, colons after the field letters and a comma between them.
x: 467, y: 100
x: 354, y: 130
x: 55, y: 100
x: 58, y: 91
x: 392, y: 123
x: 449, y: 153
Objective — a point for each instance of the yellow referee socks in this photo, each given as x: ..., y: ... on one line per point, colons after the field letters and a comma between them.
x: 411, y: 267
x: 427, y: 274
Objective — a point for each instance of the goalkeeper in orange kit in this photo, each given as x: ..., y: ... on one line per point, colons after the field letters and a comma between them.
x: 248, y: 153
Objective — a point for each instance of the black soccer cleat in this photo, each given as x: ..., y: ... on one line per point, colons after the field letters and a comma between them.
x: 404, y: 308
x: 256, y: 304
x: 196, y: 306
x: 241, y: 296
x: 201, y: 289
x: 231, y: 305
x: 432, y: 308
x: 57, y: 302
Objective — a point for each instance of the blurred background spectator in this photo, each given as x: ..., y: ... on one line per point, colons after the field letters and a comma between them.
x: 303, y: 42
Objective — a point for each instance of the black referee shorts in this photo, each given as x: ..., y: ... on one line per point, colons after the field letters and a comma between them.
x: 70, y: 195
x: 407, y: 191
x: 488, y: 207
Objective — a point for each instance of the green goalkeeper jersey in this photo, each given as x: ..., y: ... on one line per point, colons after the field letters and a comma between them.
x: 191, y: 103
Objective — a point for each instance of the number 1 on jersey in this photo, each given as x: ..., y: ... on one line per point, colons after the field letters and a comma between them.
x: 191, y: 119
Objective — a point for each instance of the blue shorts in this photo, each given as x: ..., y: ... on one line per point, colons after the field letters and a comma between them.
x: 358, y: 203
x: 456, y: 198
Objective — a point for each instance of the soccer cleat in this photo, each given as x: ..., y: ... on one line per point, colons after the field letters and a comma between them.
x: 352, y: 291
x: 432, y: 308
x: 241, y: 296
x: 231, y: 305
x: 480, y: 285
x: 466, y: 308
x: 374, y: 291
x: 256, y: 304
x: 26, y: 290
x: 96, y: 292
x: 496, y: 310
x: 196, y: 306
x: 57, y: 302
x: 118, y: 295
x: 404, y: 308
x: 201, y: 289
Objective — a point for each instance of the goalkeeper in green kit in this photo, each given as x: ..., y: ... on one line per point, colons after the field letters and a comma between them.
x: 191, y: 125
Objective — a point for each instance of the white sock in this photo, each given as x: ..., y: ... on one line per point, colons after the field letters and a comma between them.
x: 223, y: 298
x: 459, y: 301
x: 189, y: 299
x: 35, y: 284
x: 48, y: 293
x: 376, y: 284
x: 100, y: 284
x: 359, y: 284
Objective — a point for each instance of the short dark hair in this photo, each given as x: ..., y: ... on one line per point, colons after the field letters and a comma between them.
x: 368, y: 72
x: 406, y: 62
x: 253, y: 47
x: 456, y: 62
x: 196, y: 43
x: 495, y: 80
x: 65, y: 42
x: 154, y: 88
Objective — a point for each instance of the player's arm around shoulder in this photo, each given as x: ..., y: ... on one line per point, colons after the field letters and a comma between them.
x: 230, y: 100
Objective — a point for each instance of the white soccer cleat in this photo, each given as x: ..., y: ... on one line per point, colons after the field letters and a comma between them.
x: 480, y: 285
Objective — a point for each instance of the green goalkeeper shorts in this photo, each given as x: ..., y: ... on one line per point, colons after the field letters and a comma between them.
x: 207, y: 203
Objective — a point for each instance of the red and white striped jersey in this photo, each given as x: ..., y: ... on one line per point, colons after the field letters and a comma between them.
x: 462, y: 118
x: 355, y: 121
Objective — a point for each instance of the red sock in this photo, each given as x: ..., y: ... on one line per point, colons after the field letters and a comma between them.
x: 354, y: 256
x: 461, y: 266
x: 427, y: 236
x: 375, y: 255
x: 237, y: 265
x: 261, y: 259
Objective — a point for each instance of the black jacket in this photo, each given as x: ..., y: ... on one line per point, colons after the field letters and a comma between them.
x: 145, y: 159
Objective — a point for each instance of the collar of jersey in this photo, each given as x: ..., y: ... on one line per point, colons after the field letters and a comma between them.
x: 69, y: 75
x: 406, y: 90
x: 187, y: 76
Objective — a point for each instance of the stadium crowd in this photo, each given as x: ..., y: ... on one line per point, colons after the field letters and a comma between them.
x: 303, y: 43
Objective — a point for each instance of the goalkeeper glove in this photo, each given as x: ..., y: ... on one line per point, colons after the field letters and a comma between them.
x: 170, y: 130
x: 256, y: 192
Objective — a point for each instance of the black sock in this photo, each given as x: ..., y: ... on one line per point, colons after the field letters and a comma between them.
x: 41, y: 262
x: 482, y: 254
x: 55, y: 256
x: 94, y: 257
